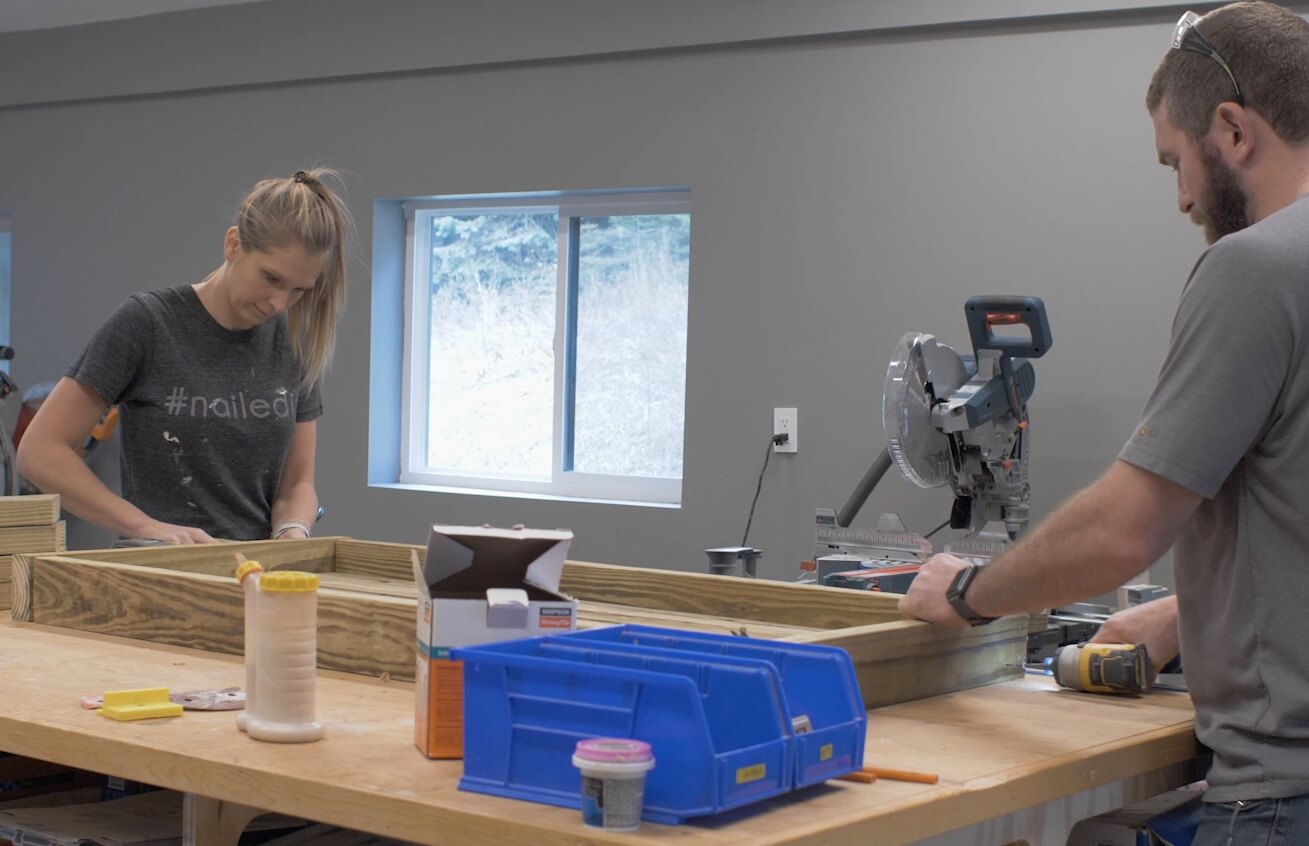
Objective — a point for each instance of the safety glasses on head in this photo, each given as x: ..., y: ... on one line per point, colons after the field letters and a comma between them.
x: 1187, y: 37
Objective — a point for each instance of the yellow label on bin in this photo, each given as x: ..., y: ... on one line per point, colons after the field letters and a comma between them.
x: 825, y: 752
x: 745, y: 775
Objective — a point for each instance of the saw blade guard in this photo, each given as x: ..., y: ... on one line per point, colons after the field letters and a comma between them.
x: 920, y: 372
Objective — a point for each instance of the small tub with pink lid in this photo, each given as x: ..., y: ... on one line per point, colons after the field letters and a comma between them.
x: 613, y: 781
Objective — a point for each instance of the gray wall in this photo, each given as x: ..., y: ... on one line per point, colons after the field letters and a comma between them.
x: 857, y: 170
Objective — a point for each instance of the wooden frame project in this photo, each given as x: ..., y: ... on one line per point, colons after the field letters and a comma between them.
x: 27, y: 524
x: 188, y: 596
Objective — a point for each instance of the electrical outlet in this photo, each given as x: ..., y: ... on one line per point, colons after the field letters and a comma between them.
x: 784, y: 424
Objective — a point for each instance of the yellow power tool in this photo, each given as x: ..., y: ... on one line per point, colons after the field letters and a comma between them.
x: 1103, y: 667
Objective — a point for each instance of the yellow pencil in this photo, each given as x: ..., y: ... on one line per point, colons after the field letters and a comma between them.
x: 902, y: 775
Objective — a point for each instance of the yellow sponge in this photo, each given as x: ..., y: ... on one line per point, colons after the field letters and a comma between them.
x: 146, y: 704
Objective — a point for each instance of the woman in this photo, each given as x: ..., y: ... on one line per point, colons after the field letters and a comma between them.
x: 217, y: 384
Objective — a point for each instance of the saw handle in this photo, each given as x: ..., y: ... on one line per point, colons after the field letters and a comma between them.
x: 986, y: 312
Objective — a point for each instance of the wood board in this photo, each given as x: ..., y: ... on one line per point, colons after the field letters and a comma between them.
x: 187, y: 596
x: 36, y: 510
x: 49, y: 538
x: 356, y: 633
x: 20, y: 533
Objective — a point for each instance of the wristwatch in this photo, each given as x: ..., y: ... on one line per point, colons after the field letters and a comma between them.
x: 955, y: 596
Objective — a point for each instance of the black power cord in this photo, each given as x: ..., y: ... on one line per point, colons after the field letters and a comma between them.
x: 775, y: 440
x: 937, y: 529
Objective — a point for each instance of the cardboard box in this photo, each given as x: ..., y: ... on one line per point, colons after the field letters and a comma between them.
x: 479, y: 585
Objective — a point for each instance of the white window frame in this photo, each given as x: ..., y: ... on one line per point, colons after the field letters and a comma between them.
x: 562, y: 482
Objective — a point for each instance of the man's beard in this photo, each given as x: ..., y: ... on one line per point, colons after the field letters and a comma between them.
x: 1222, y: 211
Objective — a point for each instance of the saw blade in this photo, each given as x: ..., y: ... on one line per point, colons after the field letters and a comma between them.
x: 920, y: 371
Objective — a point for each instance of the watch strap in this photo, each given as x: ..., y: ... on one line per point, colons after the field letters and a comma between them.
x: 957, y: 592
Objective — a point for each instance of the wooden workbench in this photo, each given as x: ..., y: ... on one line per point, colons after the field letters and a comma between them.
x: 1000, y: 750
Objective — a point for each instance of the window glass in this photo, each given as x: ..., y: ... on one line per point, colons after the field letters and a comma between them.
x: 633, y: 275
x: 491, y: 346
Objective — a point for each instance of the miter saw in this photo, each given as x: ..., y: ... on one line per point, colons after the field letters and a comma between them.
x: 949, y: 420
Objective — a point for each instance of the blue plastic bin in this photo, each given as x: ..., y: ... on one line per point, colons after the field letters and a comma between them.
x: 731, y: 720
x: 818, y: 684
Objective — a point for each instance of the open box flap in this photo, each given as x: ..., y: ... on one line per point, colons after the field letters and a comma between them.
x: 466, y: 561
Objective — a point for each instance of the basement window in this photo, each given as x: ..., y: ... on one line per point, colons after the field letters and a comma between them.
x: 545, y: 345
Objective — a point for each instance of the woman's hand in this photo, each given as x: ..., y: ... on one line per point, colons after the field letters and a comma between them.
x: 169, y: 533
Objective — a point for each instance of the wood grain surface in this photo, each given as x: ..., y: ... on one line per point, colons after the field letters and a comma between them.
x: 315, y: 555
x: 895, y: 660
x: 35, y: 510
x: 725, y: 597
x: 997, y: 750
x: 19, y: 588
x: 908, y: 659
x: 592, y: 614
x: 403, y: 588
x: 49, y: 538
x: 375, y: 558
x: 730, y: 597
x: 356, y: 633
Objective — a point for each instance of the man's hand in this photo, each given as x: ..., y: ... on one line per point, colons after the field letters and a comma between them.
x: 926, y: 597
x: 169, y: 533
x: 1152, y: 623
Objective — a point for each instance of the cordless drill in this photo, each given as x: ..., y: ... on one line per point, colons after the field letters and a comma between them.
x: 1103, y: 667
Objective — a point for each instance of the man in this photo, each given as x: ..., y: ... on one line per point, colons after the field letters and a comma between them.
x: 1219, y: 464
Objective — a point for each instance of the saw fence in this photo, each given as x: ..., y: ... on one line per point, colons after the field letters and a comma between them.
x: 187, y: 596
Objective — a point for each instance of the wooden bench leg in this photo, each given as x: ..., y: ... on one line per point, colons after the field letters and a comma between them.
x: 210, y: 822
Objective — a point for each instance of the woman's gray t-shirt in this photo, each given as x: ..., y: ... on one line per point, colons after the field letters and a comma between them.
x: 207, y: 413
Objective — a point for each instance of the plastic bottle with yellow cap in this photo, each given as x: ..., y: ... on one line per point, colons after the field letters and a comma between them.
x: 282, y: 621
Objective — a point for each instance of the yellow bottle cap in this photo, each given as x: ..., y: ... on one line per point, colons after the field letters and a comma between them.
x: 288, y: 581
x: 245, y: 568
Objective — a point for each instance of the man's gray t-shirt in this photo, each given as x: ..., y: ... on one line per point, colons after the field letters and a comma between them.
x: 1229, y: 419
x: 207, y: 413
